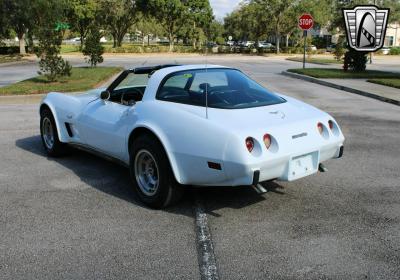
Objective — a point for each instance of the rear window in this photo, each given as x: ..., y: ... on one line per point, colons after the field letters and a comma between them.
x: 220, y: 88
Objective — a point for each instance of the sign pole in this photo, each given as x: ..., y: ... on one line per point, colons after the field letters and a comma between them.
x: 306, y: 22
x: 304, y: 53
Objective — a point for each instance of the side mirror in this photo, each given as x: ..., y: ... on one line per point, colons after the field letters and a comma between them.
x: 105, y: 95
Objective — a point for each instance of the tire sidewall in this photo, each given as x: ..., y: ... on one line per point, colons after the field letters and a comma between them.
x: 161, y: 197
x: 57, y: 145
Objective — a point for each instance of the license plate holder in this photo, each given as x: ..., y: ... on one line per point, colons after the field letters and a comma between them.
x: 303, y: 165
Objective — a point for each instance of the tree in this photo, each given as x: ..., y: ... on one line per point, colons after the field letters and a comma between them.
x: 148, y: 25
x: 3, y: 21
x: 199, y: 18
x: 46, y: 15
x: 118, y: 16
x: 277, y: 11
x: 255, y: 21
x: 233, y: 26
x: 355, y: 60
x: 257, y: 18
x: 394, y: 6
x: 81, y: 15
x: 337, y: 23
x: 19, y: 18
x: 93, y: 48
x: 340, y: 49
x: 172, y: 15
x: 216, y: 32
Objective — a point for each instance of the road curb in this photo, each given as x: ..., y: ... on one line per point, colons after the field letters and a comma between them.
x: 344, y: 88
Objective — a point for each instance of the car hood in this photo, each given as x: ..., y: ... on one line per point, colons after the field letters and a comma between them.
x: 89, y: 96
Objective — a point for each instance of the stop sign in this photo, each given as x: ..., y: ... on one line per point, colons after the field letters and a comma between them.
x: 306, y: 21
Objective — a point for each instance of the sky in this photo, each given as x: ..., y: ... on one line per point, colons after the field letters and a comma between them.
x: 223, y: 7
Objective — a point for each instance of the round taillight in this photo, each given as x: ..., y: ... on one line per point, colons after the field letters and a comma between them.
x: 267, y: 140
x: 249, y: 144
x: 330, y: 123
x: 320, y: 128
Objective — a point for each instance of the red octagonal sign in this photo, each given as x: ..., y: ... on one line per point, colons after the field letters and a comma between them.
x: 306, y: 22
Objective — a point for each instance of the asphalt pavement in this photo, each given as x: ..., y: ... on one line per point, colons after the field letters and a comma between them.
x: 77, y: 218
x: 14, y: 72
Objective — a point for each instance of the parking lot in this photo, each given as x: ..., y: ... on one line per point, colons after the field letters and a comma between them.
x: 77, y: 217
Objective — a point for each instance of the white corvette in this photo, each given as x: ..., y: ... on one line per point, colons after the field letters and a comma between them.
x: 202, y: 125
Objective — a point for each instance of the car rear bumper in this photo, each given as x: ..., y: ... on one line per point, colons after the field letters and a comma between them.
x: 280, y: 168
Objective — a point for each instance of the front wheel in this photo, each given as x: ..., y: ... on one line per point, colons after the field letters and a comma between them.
x: 49, y: 135
x: 151, y: 173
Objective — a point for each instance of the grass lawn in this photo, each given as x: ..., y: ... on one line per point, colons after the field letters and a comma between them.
x: 9, y: 58
x: 386, y: 82
x: 316, y: 60
x: 69, y: 48
x: 82, y: 78
x: 340, y: 74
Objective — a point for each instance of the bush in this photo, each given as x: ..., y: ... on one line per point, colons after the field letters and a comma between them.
x: 355, y: 61
x: 292, y: 50
x: 150, y: 49
x: 340, y: 49
x: 395, y: 51
x: 319, y: 42
x: 10, y: 49
x: 51, y: 64
x: 54, y: 66
x: 93, y: 48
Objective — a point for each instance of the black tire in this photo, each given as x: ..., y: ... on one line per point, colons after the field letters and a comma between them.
x: 168, y: 191
x: 57, y: 148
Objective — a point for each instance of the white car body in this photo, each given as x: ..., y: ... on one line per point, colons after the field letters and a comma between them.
x: 193, y: 138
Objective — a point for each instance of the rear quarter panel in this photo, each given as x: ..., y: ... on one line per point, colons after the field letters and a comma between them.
x: 189, y: 139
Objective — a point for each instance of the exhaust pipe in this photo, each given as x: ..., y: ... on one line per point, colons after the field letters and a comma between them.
x: 259, y: 189
x: 322, y: 168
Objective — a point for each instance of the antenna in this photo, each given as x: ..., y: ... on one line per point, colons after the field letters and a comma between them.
x: 206, y: 80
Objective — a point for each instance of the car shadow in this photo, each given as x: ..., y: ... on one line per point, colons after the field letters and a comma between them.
x: 90, y: 168
x: 215, y: 198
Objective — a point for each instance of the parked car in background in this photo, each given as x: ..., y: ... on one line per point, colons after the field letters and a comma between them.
x: 265, y: 45
x: 247, y: 44
x: 212, y: 44
x: 73, y: 41
x: 311, y: 48
x: 331, y: 48
x: 385, y: 50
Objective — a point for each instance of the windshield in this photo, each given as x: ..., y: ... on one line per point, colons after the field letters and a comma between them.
x: 222, y: 88
x: 133, y: 80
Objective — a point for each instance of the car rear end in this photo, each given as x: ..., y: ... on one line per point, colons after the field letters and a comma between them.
x: 287, y: 145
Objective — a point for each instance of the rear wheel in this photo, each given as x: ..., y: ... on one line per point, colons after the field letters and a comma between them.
x: 151, y: 173
x: 49, y: 135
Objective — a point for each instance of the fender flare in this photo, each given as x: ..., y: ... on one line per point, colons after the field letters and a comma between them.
x: 162, y: 138
x: 47, y: 104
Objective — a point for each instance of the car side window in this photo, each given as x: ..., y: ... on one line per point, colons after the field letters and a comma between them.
x: 178, y: 81
x: 215, y: 79
x: 189, y: 87
x: 175, y: 88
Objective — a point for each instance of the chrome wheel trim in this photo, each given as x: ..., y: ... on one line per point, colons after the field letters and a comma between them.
x: 146, y: 172
x: 47, y: 133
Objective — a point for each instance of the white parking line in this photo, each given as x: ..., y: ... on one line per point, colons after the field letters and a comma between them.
x: 205, y: 247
